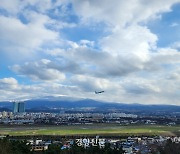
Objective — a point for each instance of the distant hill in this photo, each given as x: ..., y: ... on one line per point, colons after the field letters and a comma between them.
x: 5, y: 106
x: 55, y: 104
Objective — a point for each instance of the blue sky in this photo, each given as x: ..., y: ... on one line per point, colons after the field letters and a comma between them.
x: 129, y: 49
x: 167, y: 27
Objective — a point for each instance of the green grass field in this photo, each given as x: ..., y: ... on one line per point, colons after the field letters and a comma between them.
x: 99, y: 129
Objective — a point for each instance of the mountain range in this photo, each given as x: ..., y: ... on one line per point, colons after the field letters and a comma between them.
x: 55, y: 104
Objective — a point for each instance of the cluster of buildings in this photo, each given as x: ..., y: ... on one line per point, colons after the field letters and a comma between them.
x: 18, y: 107
x: 18, y: 116
x: 61, y: 118
x: 130, y: 145
x: 15, y: 117
x: 39, y: 144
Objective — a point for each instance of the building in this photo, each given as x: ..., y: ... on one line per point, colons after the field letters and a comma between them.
x: 4, y: 114
x: 18, y: 107
x: 39, y: 147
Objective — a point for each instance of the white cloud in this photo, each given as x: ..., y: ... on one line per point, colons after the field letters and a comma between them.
x: 26, y: 27
x: 124, y: 79
x: 158, y: 87
x: 128, y: 37
x: 142, y: 86
x: 16, y: 6
x: 86, y: 43
x: 174, y: 24
x: 120, y: 12
x: 39, y: 71
x: 176, y: 45
x: 94, y: 63
x: 11, y: 6
x: 8, y: 83
x: 10, y: 89
x: 23, y: 38
x: 84, y: 60
x: 88, y: 83
x: 125, y: 60
x: 131, y: 41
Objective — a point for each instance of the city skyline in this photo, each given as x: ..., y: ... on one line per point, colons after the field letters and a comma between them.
x: 70, y: 49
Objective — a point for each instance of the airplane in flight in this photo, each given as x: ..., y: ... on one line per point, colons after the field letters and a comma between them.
x: 98, y: 92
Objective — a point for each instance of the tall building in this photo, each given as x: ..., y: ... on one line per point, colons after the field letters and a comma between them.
x: 18, y: 107
x: 15, y: 107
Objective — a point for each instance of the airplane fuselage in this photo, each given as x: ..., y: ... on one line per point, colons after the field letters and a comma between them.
x: 98, y: 92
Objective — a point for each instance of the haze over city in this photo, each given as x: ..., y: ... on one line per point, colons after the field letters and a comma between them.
x: 128, y: 49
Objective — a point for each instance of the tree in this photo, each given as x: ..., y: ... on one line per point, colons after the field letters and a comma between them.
x: 14, y: 147
x: 170, y: 148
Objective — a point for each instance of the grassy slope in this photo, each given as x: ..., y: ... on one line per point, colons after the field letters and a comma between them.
x: 99, y: 129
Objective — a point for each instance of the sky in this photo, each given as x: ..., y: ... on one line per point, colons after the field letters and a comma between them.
x: 70, y: 48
